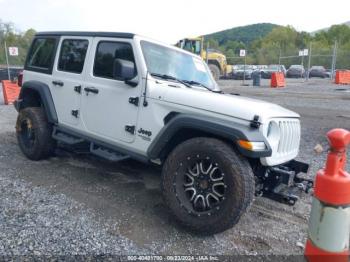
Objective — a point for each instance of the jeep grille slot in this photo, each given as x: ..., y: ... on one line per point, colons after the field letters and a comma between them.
x: 290, y: 137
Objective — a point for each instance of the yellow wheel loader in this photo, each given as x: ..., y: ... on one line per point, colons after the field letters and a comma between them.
x: 216, y: 60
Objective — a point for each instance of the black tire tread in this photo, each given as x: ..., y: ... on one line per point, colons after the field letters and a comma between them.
x: 216, y: 69
x: 45, y: 143
x: 247, y: 186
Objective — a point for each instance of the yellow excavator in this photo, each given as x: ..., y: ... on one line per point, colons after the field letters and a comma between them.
x: 216, y: 60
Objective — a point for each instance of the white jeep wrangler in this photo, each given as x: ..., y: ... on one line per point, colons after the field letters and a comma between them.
x: 125, y: 96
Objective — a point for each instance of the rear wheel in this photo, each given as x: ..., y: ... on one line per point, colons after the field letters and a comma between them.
x: 34, y: 133
x: 207, y: 185
x: 215, y: 71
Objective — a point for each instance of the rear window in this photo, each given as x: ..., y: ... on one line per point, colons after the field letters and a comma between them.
x: 41, y: 55
x: 72, y: 56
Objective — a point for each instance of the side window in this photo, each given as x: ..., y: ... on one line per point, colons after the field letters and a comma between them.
x: 41, y: 55
x: 106, y: 53
x: 72, y: 55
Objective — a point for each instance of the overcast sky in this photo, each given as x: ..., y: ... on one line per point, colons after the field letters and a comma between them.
x: 170, y: 20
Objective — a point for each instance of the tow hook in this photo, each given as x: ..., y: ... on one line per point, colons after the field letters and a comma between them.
x: 283, y: 183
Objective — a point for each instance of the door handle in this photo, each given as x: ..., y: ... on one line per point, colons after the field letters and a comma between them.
x: 91, y: 89
x: 57, y: 83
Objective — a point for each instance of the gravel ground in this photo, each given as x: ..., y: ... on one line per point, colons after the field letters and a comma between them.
x: 78, y: 204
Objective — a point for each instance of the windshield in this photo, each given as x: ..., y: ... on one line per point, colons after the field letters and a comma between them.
x: 247, y: 67
x: 317, y: 68
x: 273, y: 67
x: 193, y: 46
x: 296, y: 66
x: 161, y: 60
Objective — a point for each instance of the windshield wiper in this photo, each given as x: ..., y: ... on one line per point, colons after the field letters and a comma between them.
x: 201, y: 85
x: 168, y: 77
x: 186, y: 83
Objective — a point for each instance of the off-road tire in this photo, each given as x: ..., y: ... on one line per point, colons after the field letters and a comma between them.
x: 41, y: 144
x: 215, y: 71
x: 239, y: 180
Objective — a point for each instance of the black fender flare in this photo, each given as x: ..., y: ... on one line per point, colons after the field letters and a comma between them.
x: 45, y: 95
x: 223, y: 129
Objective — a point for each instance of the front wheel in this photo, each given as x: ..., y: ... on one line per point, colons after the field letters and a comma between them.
x: 207, y: 185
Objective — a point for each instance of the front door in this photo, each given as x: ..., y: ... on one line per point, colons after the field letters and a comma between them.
x: 106, y: 109
x: 68, y: 78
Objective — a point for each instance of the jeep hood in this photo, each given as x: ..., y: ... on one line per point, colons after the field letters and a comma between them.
x: 226, y: 104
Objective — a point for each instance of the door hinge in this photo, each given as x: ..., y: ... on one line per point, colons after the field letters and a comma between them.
x: 77, y: 89
x: 130, y: 129
x: 134, y: 100
x: 75, y: 113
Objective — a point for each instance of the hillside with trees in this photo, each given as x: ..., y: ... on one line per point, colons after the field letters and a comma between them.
x: 242, y: 34
x: 285, y: 41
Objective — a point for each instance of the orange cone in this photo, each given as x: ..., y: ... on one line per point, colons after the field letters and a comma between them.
x: 329, y: 224
x: 10, y: 90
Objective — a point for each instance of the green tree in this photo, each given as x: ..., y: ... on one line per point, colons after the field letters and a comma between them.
x: 12, y: 37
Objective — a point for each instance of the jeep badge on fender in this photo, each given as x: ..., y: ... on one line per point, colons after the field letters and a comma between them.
x: 144, y: 132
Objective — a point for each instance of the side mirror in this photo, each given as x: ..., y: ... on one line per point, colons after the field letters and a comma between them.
x: 123, y: 70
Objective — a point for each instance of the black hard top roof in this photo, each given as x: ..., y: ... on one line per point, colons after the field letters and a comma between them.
x: 84, y: 33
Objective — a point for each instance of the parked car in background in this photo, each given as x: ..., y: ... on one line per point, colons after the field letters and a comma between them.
x: 296, y: 71
x: 243, y: 71
x: 14, y: 71
x: 318, y: 71
x: 260, y: 67
x: 328, y: 73
x: 267, y: 72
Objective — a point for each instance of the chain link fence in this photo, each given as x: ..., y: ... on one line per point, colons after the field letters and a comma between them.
x: 331, y: 59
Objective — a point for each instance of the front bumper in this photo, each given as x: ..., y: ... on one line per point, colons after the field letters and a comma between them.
x: 283, y: 183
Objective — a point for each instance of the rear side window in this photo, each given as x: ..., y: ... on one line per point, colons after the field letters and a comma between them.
x: 72, y: 55
x: 106, y: 53
x: 41, y: 55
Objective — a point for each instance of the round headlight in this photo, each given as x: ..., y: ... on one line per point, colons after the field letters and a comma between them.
x: 273, y: 132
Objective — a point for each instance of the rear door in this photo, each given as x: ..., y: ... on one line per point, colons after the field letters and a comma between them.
x: 68, y: 78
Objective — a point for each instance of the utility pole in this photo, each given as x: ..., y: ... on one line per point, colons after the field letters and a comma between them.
x: 279, y: 58
x: 334, y: 58
x: 245, y: 62
x: 7, y: 61
x: 309, y: 63
x: 302, y: 63
x: 206, y: 54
